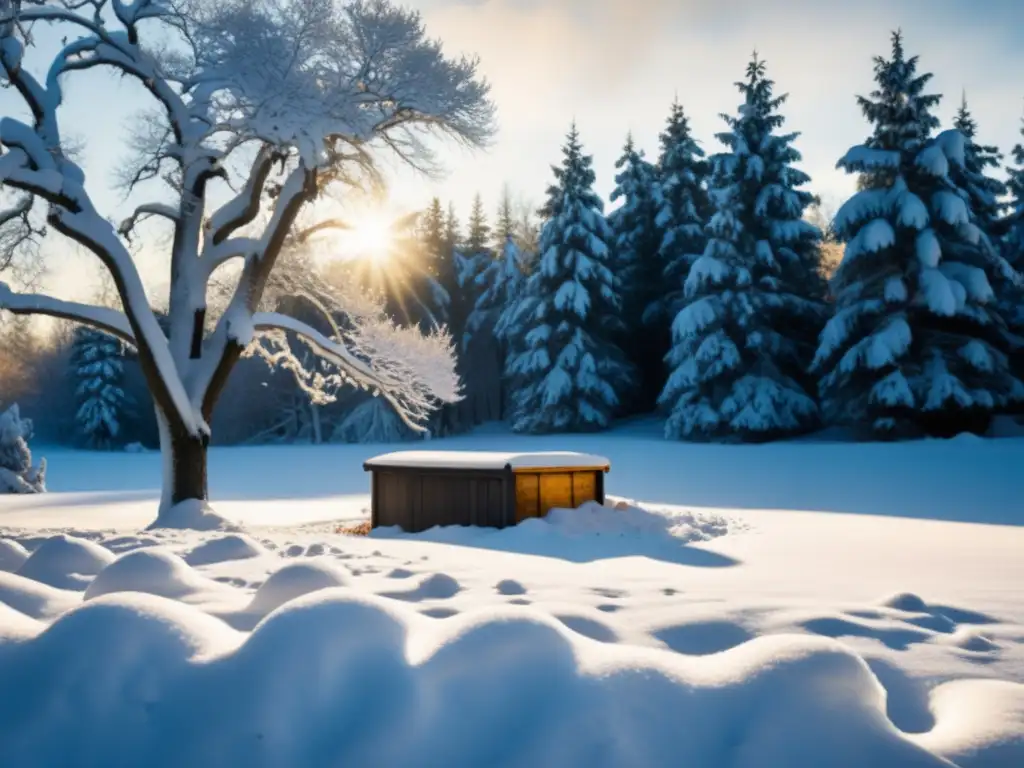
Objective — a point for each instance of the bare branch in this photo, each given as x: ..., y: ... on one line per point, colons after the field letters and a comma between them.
x: 305, y: 234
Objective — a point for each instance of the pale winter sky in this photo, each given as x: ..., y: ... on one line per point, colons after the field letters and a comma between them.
x: 616, y: 65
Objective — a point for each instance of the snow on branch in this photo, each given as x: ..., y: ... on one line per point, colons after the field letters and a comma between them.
x: 411, y: 371
x: 105, y: 319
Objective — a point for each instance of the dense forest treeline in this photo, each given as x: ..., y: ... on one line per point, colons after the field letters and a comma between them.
x: 717, y: 294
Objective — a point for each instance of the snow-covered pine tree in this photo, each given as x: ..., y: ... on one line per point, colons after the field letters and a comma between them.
x: 741, y: 343
x: 683, y: 212
x: 567, y: 372
x: 499, y: 288
x: 97, y: 364
x: 1014, y: 239
x: 17, y: 475
x: 916, y: 344
x: 1010, y: 293
x: 480, y: 361
x: 637, y: 267
x: 985, y: 191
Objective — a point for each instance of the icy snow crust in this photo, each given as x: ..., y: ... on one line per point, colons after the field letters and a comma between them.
x: 623, y: 634
x: 487, y: 460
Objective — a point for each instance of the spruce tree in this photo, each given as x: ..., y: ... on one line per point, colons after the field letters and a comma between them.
x: 637, y: 267
x: 742, y: 342
x: 567, y: 372
x: 985, y: 192
x: 1014, y: 224
x: 1011, y: 292
x: 97, y: 361
x: 683, y: 211
x: 505, y: 224
x: 916, y: 344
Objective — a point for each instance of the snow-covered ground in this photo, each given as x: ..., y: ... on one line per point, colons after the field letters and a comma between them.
x: 798, y: 604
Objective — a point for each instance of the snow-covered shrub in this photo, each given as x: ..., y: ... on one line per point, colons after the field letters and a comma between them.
x: 17, y: 475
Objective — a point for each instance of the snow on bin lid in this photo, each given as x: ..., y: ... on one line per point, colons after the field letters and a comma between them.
x: 487, y: 460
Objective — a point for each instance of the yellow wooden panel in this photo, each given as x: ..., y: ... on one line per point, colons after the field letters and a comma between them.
x: 555, y: 491
x: 527, y: 497
x: 584, y: 487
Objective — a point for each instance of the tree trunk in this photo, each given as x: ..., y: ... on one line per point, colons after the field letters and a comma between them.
x: 184, y: 458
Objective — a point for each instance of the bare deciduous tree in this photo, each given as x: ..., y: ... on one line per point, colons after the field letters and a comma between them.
x: 283, y: 102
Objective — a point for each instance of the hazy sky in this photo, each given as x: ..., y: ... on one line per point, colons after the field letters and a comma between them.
x: 616, y: 65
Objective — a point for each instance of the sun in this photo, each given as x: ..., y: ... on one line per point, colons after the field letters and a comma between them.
x: 371, y: 237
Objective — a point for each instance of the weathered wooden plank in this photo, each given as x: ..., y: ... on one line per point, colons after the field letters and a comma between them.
x: 584, y: 487
x: 555, y: 491
x: 527, y: 496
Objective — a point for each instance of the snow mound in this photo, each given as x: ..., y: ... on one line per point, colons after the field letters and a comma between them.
x: 192, y: 515
x: 234, y: 547
x: 323, y: 681
x: 626, y: 518
x: 906, y: 601
x: 12, y: 555
x: 15, y: 625
x: 295, y: 580
x: 979, y: 723
x: 154, y: 571
x: 33, y: 598
x: 66, y: 562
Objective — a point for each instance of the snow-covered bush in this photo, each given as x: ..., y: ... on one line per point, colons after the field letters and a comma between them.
x: 17, y: 475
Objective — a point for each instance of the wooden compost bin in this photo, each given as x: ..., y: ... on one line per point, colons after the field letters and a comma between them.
x: 417, y: 490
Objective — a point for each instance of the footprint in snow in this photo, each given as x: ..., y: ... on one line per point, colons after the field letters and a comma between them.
x: 439, y: 612
x: 611, y: 594
x: 439, y: 586
x: 510, y: 587
x: 400, y: 573
x: 588, y: 627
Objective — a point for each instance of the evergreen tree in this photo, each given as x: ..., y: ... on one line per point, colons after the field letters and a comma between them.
x: 17, y: 474
x: 97, y: 361
x: 1014, y: 224
x: 1010, y: 293
x: 567, y: 372
x: 984, y: 191
x: 683, y: 212
x: 637, y: 267
x: 742, y: 342
x: 499, y: 288
x: 505, y: 225
x: 480, y: 361
x: 916, y: 344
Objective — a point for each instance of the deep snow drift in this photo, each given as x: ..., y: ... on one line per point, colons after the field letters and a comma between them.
x: 642, y: 634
